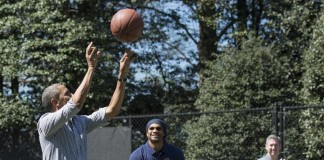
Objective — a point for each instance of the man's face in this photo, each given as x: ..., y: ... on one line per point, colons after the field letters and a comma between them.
x: 155, y: 133
x: 64, y: 96
x: 273, y: 147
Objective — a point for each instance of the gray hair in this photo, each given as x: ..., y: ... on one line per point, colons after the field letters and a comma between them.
x: 50, y: 92
x: 276, y: 138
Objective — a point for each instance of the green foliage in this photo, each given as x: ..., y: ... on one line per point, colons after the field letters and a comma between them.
x: 43, y: 42
x: 46, y: 44
x: 255, y: 76
x: 313, y: 135
x: 10, y: 57
x: 15, y: 113
x: 313, y: 94
x: 221, y: 136
x: 16, y: 128
x: 313, y: 65
x: 261, y: 75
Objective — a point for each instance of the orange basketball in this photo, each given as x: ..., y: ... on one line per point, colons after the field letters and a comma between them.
x: 127, y: 25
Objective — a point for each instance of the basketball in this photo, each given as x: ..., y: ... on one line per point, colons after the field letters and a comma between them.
x: 127, y: 25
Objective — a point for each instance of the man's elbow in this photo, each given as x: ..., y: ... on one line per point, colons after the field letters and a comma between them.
x: 111, y: 113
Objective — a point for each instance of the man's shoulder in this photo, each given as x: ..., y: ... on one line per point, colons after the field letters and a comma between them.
x: 264, y: 158
x: 43, y: 116
x: 137, y: 153
x: 141, y: 148
x: 174, y: 148
x: 175, y: 151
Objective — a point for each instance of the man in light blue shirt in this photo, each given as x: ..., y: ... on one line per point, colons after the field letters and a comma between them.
x: 62, y: 133
x: 273, y: 147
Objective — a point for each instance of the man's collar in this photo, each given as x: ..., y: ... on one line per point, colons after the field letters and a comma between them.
x: 151, y: 151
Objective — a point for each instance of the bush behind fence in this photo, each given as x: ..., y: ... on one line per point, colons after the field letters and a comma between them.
x: 231, y: 134
x: 238, y: 134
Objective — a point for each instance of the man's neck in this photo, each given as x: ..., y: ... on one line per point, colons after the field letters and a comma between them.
x: 273, y: 157
x: 156, y: 146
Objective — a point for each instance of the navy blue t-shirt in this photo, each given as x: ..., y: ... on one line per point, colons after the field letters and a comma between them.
x: 168, y: 152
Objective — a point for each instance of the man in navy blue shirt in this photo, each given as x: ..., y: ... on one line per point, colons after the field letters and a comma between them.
x: 156, y: 146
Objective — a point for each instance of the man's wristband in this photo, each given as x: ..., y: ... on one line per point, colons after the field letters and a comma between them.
x: 122, y: 79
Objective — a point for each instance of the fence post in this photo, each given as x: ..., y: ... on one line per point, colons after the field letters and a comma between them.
x: 130, y: 126
x: 282, y: 129
x: 275, y: 118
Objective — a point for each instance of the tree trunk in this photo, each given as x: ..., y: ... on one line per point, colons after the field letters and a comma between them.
x: 257, y: 9
x: 1, y: 83
x: 242, y: 14
x: 15, y: 86
x: 208, y: 36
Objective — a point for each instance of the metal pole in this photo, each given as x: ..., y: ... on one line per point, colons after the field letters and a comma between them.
x: 131, y: 135
x: 275, y: 118
x: 283, y: 122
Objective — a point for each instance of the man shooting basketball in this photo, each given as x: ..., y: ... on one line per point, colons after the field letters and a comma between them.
x: 62, y: 133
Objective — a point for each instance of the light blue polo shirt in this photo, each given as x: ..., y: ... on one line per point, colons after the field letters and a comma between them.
x: 63, y: 134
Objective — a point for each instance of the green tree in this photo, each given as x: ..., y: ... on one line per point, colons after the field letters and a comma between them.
x: 255, y: 75
x: 17, y: 115
x: 295, y: 23
x: 313, y: 94
x: 17, y: 129
x: 43, y: 42
x: 313, y: 76
x: 183, y: 43
x: 167, y: 65
x: 252, y: 77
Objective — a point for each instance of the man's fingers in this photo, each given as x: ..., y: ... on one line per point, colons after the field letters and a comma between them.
x: 123, y: 58
x: 129, y: 52
x: 89, y: 46
x: 133, y: 57
x: 98, y: 54
x: 93, y: 53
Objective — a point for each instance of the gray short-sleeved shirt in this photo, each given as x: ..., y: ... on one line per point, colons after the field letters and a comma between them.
x: 265, y: 157
x: 62, y: 134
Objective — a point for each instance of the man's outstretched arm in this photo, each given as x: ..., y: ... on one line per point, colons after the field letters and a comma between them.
x: 116, y: 101
x: 92, y: 57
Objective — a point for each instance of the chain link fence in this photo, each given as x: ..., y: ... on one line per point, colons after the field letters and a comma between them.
x: 229, y: 134
x: 239, y: 133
